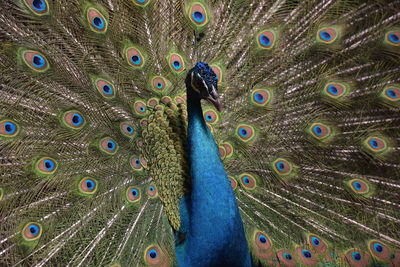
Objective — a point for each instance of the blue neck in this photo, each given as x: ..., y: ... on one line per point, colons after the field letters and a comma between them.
x: 209, y: 215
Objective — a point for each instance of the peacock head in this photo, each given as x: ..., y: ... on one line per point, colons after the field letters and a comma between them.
x: 201, y: 81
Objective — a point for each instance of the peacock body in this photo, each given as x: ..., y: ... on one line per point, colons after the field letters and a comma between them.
x: 108, y: 157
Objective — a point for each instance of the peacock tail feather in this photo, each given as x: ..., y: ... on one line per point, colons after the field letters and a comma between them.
x: 93, y: 128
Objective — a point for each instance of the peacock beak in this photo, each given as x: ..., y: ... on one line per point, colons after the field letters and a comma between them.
x: 213, y: 97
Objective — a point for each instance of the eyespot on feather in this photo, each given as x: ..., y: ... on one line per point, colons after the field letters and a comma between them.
x: 152, y: 190
x: 266, y: 39
x: 105, y: 88
x: 127, y: 129
x: 392, y: 37
x: 247, y: 181
x: 306, y: 256
x: 159, y: 84
x: 391, y: 95
x: 262, y: 241
x: 282, y: 167
x: 32, y: 231
x: 108, y: 146
x: 210, y: 116
x: 46, y: 166
x: 222, y: 152
x: 136, y: 163
x: 133, y: 194
x: 233, y: 182
x: 376, y: 144
x: 198, y: 14
x: 8, y: 128
x: 218, y: 71
x: 357, y: 258
x: 286, y: 257
x: 35, y: 60
x: 260, y: 97
x: 335, y: 90
x: 38, y: 7
x: 73, y: 119
x: 176, y: 63
x: 154, y: 256
x: 317, y: 243
x: 141, y: 3
x: 140, y: 108
x: 327, y: 35
x: 97, y: 22
x: 320, y: 131
x: 245, y: 132
x: 228, y: 149
x: 379, y: 250
x: 134, y: 57
x: 87, y: 186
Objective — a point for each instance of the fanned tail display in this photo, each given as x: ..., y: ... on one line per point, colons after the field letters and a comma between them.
x: 101, y: 142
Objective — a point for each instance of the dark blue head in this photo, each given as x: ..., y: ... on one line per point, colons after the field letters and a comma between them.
x: 203, y: 81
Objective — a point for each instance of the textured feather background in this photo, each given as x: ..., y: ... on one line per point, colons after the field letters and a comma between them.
x: 309, y: 131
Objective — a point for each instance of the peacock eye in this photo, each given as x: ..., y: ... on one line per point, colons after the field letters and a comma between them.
x: 356, y: 256
x: 245, y: 132
x: 46, y: 166
x: 315, y: 241
x: 96, y: 20
x: 248, y: 181
x: 127, y: 129
x: 140, y: 108
x: 135, y: 163
x: 73, y: 119
x: 327, y: 35
x: 306, y: 253
x: 376, y: 144
x: 320, y: 131
x: 379, y: 250
x: 176, y: 63
x: 152, y: 191
x: 153, y: 255
x: 233, y: 182
x: 133, y: 194
x: 262, y: 241
x: 266, y: 39
x: 335, y: 90
x: 393, y: 38
x: 38, y: 7
x: 108, y: 146
x: 35, y: 60
x: 105, y: 88
x: 8, y: 128
x: 211, y: 116
x: 88, y: 186
x: 134, y: 57
x: 32, y: 231
x: 282, y: 166
x: 141, y: 3
x: 287, y: 256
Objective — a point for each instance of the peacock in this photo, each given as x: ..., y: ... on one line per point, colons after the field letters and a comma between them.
x: 200, y: 133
